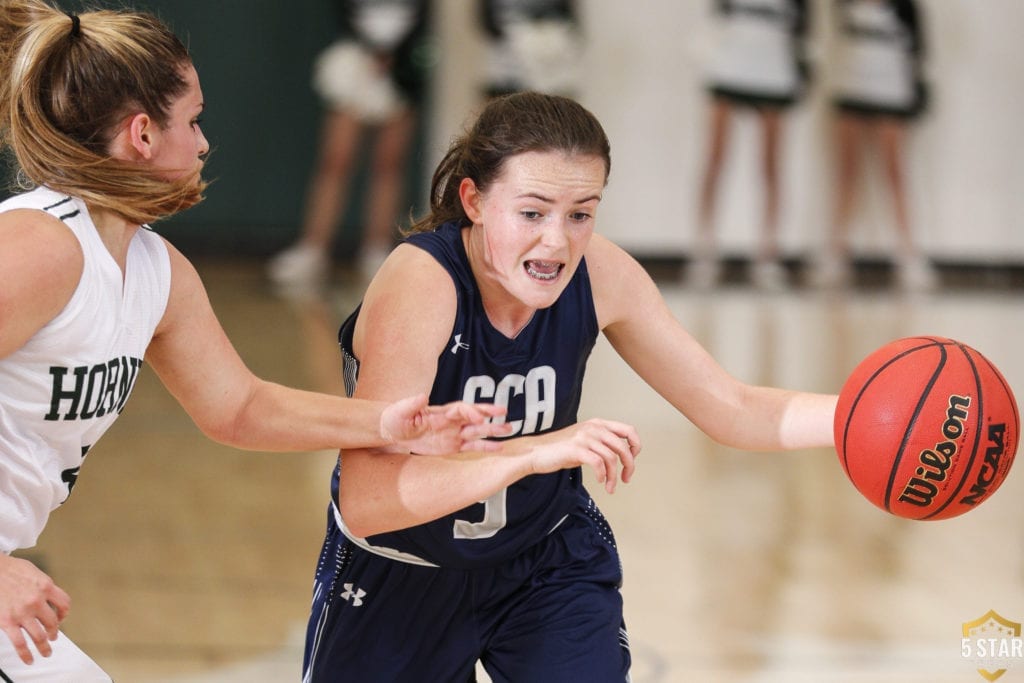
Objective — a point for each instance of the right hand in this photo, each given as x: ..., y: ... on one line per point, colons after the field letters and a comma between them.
x: 30, y: 602
x: 600, y: 444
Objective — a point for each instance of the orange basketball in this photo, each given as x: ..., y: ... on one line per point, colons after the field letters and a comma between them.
x: 926, y: 428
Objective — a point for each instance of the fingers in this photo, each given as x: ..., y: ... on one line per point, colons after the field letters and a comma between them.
x: 42, y: 626
x: 31, y: 605
x: 41, y: 630
x: 60, y: 602
x: 474, y: 413
x: 20, y: 644
x: 632, y: 441
x: 40, y: 637
x: 617, y: 444
x: 473, y: 434
x: 50, y: 618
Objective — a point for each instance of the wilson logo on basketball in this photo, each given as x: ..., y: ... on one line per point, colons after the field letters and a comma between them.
x: 990, y: 468
x: 921, y: 490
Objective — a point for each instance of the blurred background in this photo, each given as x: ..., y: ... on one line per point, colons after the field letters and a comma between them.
x: 642, y: 71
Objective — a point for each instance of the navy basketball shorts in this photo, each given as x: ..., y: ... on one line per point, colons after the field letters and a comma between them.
x: 553, y: 613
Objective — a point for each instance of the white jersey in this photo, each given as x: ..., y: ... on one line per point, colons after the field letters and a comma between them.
x: 62, y: 390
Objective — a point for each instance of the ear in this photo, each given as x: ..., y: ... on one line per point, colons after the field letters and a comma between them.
x: 472, y: 199
x: 137, y: 137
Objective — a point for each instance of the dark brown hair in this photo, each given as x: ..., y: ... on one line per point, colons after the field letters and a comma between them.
x: 510, y: 125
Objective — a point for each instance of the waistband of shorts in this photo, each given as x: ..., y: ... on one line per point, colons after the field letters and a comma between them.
x: 389, y: 553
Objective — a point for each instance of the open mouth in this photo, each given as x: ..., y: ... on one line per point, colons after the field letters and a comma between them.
x: 543, y: 270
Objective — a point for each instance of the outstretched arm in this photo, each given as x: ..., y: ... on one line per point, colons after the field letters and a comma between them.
x: 198, y: 364
x: 644, y: 332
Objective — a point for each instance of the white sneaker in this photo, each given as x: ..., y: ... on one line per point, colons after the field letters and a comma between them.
x: 830, y: 271
x: 298, y: 264
x: 768, y: 273
x: 916, y: 273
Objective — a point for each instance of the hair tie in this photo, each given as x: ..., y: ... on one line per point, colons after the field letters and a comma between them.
x: 76, y: 24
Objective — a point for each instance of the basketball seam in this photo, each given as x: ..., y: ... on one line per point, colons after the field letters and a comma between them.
x: 860, y: 393
x: 979, y: 414
x: 913, y: 422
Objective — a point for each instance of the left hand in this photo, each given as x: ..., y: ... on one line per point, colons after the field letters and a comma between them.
x: 437, y: 430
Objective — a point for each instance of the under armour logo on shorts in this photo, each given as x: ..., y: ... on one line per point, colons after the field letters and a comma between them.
x: 356, y: 596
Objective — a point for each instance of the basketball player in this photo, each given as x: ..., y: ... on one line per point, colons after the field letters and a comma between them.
x: 760, y: 67
x: 879, y: 91
x: 498, y: 295
x: 102, y: 113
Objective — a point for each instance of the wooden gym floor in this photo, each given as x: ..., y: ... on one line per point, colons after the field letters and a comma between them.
x: 189, y: 562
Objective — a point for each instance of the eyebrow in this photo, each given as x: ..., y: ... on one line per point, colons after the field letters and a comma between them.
x: 548, y: 200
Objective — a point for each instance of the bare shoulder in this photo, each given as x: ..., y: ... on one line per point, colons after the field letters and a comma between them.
x: 37, y: 235
x: 41, y: 264
x: 621, y: 286
x: 412, y: 297
x: 605, y: 258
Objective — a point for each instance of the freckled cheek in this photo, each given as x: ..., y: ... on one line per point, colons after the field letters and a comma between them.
x: 501, y: 250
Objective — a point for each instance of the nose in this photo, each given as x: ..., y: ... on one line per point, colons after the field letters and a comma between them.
x: 555, y: 235
x: 204, y: 145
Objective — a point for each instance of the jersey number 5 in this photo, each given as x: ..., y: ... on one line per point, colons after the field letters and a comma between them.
x: 495, y: 519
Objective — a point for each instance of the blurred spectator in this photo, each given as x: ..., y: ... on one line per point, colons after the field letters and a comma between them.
x: 879, y: 90
x: 372, y: 79
x: 760, y: 67
x: 531, y: 45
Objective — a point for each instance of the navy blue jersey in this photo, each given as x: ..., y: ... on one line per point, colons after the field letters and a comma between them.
x: 538, y: 377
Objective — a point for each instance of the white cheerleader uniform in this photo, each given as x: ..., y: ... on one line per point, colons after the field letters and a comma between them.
x: 878, y: 70
x: 759, y: 60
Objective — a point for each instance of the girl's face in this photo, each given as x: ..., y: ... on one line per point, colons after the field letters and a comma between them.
x: 182, y: 143
x: 533, y: 223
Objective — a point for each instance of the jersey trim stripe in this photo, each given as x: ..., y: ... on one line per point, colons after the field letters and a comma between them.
x: 389, y: 553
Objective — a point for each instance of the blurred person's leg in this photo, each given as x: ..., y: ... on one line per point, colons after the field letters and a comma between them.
x: 851, y: 138
x: 767, y: 269
x: 390, y: 156
x: 328, y: 190
x: 832, y: 267
x: 912, y: 268
x: 704, y: 267
x: 309, y: 257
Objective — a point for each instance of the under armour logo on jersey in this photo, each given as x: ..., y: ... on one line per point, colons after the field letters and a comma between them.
x: 356, y: 596
x: 459, y: 344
